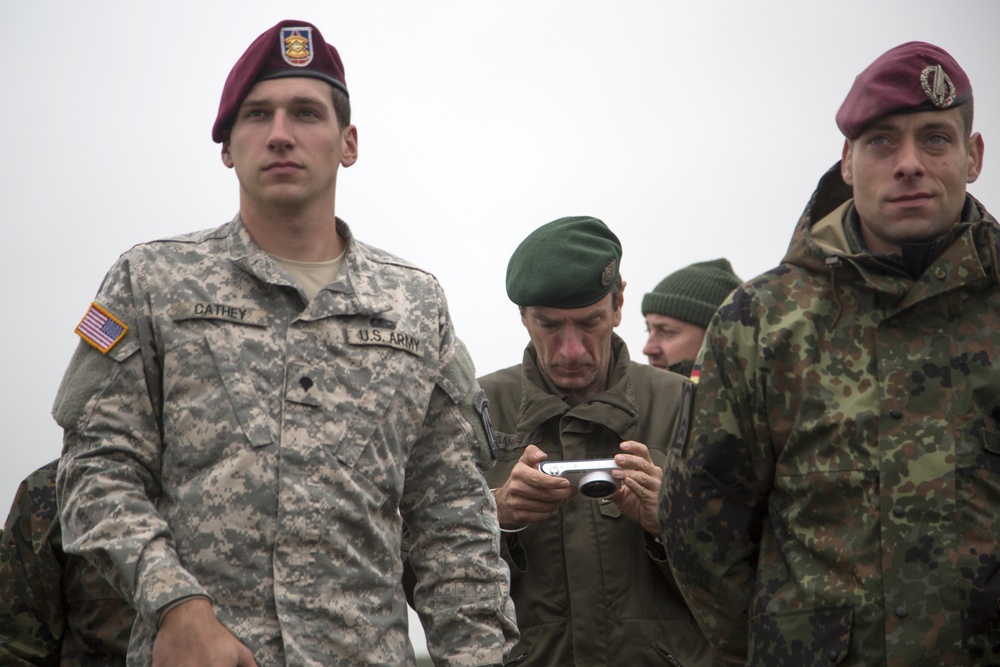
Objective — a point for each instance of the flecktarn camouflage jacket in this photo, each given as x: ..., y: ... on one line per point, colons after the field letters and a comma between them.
x: 55, y: 609
x: 838, y: 499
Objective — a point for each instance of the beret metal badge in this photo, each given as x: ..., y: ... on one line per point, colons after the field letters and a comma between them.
x: 296, y: 45
x: 937, y: 86
x: 608, y: 274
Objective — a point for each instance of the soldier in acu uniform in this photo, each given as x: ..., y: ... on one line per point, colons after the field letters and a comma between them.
x: 838, y: 499
x: 589, y: 578
x: 255, y: 410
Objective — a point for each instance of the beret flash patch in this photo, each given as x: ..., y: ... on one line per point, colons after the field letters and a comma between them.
x: 297, y: 48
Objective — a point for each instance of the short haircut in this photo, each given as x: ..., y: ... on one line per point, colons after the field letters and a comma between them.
x: 341, y: 107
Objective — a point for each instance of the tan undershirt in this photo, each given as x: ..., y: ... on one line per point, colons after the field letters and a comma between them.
x: 312, y: 276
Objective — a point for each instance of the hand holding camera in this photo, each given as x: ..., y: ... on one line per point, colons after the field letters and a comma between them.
x: 531, y: 495
x: 639, y: 500
x: 591, y: 477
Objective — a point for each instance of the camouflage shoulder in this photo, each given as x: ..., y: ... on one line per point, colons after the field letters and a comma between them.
x: 42, y: 488
x: 379, y: 256
x: 748, y: 302
x: 31, y: 609
x: 36, y: 496
x: 458, y: 380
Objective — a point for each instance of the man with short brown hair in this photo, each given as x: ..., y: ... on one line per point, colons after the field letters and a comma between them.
x: 255, y: 410
x: 836, y: 500
x: 589, y: 578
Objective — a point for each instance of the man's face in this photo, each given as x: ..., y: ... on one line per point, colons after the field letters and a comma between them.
x: 286, y: 144
x: 574, y: 344
x: 671, y: 340
x: 909, y: 173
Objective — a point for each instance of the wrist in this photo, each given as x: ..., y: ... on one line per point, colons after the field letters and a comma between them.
x: 505, y: 526
x: 188, y: 604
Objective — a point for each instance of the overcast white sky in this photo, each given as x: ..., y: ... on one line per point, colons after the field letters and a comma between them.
x: 694, y: 130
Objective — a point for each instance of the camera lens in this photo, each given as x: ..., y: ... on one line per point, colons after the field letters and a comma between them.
x: 597, y: 484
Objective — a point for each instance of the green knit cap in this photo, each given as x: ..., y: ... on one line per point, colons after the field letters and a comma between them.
x: 694, y: 293
x: 567, y: 263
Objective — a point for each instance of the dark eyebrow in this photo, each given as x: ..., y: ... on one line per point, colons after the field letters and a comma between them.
x: 881, y: 126
x: 887, y: 125
x: 543, y: 319
x: 267, y: 101
x: 938, y: 125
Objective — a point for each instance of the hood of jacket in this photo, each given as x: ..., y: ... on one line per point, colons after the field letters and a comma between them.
x: 819, y: 242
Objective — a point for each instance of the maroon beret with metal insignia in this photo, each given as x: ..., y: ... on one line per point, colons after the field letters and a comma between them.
x: 291, y: 48
x: 911, y: 77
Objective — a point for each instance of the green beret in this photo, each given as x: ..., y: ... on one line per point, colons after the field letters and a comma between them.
x: 567, y: 263
x: 694, y: 293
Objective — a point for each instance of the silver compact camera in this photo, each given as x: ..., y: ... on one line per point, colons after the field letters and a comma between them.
x: 592, y: 476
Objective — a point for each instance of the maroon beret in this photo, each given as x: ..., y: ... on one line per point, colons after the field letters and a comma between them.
x: 291, y: 48
x: 915, y: 76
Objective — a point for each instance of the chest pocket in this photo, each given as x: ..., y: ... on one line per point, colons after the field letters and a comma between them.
x: 212, y: 408
x: 991, y: 448
x: 608, y: 509
x: 373, y: 395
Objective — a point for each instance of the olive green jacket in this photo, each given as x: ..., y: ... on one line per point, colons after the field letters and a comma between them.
x: 591, y: 587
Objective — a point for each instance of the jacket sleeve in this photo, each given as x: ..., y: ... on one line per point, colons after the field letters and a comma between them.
x: 462, y: 587
x: 31, y: 603
x: 713, y: 498
x: 109, y: 473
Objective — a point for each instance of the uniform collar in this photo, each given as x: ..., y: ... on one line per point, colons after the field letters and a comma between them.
x: 614, y: 408
x: 357, y: 289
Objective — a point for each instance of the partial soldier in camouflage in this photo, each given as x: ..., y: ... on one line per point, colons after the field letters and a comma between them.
x: 55, y: 609
x: 589, y: 577
x: 255, y: 410
x: 838, y: 499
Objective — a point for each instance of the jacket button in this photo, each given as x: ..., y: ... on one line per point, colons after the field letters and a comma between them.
x: 833, y: 655
x: 896, y: 413
x: 901, y: 611
x: 898, y: 510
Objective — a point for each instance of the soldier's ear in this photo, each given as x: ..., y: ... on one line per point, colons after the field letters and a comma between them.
x: 845, y: 163
x: 976, y: 149
x: 350, y: 149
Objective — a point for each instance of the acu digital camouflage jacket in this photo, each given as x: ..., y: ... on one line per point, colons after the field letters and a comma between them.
x: 243, y: 444
x: 838, y: 499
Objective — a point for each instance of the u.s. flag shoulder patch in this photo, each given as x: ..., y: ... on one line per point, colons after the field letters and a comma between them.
x: 101, y: 329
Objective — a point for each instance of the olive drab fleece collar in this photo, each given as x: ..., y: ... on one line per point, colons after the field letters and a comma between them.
x: 615, y: 408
